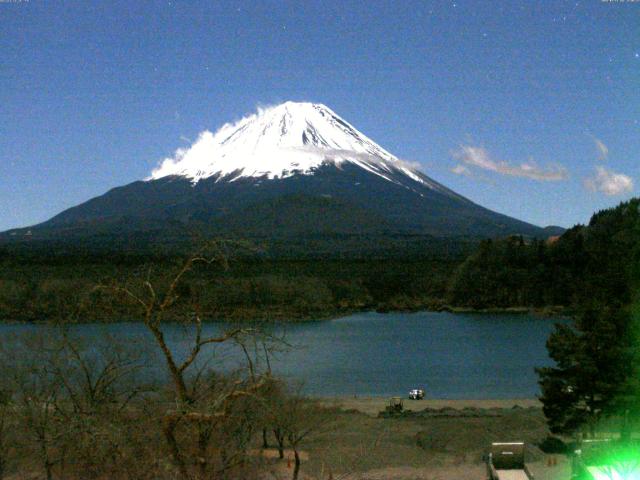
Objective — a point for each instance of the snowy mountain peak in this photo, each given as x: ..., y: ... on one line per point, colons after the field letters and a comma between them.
x: 294, y: 171
x: 280, y: 141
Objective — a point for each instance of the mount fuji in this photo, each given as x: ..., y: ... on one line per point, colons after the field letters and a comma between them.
x: 296, y: 170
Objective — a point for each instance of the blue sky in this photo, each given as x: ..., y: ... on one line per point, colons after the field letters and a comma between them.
x: 529, y: 108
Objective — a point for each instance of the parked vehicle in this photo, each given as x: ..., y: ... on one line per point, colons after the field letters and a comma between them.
x: 395, y: 408
x: 416, y: 394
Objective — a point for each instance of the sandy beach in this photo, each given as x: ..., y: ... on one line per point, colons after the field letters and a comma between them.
x: 372, y: 405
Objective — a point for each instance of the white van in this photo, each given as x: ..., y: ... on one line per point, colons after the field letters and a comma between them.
x: 416, y: 394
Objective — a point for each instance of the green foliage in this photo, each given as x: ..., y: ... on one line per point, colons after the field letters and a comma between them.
x: 593, y: 362
x: 598, y: 357
x: 591, y: 264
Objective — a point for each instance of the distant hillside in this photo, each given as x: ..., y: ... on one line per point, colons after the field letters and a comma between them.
x: 554, y: 231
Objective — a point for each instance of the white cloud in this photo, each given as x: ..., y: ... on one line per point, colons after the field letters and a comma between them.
x: 608, y: 182
x: 461, y: 170
x: 603, y: 150
x: 478, y: 157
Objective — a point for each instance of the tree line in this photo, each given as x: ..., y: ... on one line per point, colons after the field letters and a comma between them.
x: 588, y: 264
x: 46, y: 286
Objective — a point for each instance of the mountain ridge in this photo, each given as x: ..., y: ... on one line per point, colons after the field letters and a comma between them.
x: 243, y: 179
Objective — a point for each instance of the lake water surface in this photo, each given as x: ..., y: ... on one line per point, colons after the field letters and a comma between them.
x: 369, y: 354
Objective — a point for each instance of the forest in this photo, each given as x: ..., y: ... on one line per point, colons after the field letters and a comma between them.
x: 588, y: 263
x: 251, y: 285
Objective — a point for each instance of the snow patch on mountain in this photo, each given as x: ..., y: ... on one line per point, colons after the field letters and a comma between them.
x: 280, y: 141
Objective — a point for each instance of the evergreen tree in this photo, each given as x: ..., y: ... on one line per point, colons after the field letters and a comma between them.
x: 595, y: 369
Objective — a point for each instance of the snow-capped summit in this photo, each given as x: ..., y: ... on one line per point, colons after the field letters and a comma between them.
x: 292, y: 172
x: 280, y: 141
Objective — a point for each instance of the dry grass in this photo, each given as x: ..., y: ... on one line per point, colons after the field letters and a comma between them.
x: 372, y: 405
x: 441, y: 444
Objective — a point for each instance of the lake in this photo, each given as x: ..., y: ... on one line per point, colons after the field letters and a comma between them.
x: 450, y: 355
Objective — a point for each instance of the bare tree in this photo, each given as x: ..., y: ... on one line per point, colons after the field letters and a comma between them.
x: 36, y: 392
x: 98, y: 382
x: 275, y: 414
x: 298, y: 418
x: 272, y: 390
x: 98, y: 372
x: 81, y: 409
x: 156, y: 304
x: 201, y: 407
x: 67, y: 400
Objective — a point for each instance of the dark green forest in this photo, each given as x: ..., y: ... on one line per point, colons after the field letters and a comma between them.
x: 316, y: 278
x: 590, y: 264
x: 41, y: 287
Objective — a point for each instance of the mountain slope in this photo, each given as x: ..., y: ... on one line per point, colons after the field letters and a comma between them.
x: 279, y: 142
x: 296, y: 169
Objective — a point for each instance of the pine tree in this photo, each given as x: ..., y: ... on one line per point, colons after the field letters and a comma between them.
x: 594, y: 369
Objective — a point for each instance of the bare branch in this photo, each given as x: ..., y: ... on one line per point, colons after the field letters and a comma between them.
x: 199, y: 343
x: 125, y: 291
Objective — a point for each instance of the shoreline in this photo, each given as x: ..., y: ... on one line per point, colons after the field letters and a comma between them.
x: 548, y: 312
x: 371, y: 405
